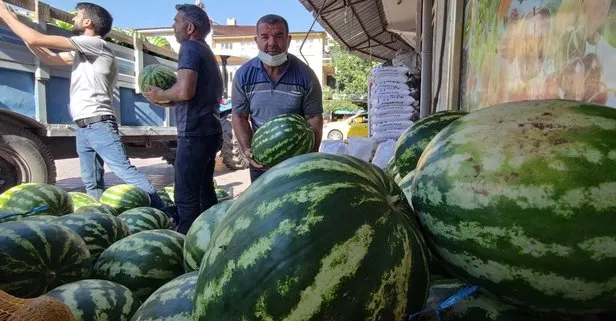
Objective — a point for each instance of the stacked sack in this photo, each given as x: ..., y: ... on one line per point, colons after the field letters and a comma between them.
x: 392, y: 106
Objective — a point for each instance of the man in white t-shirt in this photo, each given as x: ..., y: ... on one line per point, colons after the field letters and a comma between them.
x: 93, y: 79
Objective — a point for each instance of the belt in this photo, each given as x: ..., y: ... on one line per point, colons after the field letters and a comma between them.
x: 85, y: 122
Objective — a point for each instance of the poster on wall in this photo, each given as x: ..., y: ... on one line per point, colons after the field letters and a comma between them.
x: 531, y: 49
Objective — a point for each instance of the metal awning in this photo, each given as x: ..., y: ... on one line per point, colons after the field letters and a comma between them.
x: 360, y: 26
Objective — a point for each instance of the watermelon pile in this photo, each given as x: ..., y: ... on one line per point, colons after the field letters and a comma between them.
x: 517, y: 199
x: 281, y: 138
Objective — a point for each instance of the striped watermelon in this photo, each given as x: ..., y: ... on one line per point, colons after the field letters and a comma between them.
x: 144, y: 219
x: 38, y: 256
x: 414, y: 140
x: 124, y: 197
x: 156, y: 75
x: 41, y: 218
x: 519, y: 199
x: 222, y: 195
x: 24, y: 197
x: 165, y: 197
x: 171, y: 302
x: 318, y: 237
x: 479, y: 307
x: 280, y: 138
x: 98, y: 208
x: 406, y: 185
x: 143, y: 262
x: 81, y: 199
x: 99, y: 231
x: 200, y: 232
x: 97, y: 300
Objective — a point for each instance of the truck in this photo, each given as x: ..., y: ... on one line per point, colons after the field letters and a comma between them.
x: 35, y: 123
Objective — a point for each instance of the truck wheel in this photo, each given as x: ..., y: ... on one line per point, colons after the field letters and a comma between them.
x: 24, y: 158
x: 232, y: 157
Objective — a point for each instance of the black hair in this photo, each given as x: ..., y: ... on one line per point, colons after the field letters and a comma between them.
x: 272, y: 19
x: 100, y: 17
x: 197, y: 16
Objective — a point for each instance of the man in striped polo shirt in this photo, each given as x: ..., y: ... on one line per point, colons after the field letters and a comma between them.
x: 273, y: 83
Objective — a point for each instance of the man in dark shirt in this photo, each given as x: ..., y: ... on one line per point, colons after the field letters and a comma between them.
x: 196, y: 97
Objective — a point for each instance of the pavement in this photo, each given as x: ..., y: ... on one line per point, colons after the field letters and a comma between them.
x: 158, y: 172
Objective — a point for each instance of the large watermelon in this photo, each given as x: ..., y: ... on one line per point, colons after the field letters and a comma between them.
x: 318, y: 237
x: 143, y: 262
x: 157, y: 75
x: 520, y: 199
x: 98, y: 208
x: 97, y: 300
x: 200, y: 232
x: 99, y: 231
x: 414, y: 140
x: 124, y: 197
x: 144, y: 219
x: 280, y: 138
x: 24, y: 197
x: 173, y: 301
x: 38, y: 256
x: 81, y: 199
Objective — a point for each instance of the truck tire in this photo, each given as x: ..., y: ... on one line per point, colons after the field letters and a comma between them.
x: 232, y: 157
x: 24, y: 158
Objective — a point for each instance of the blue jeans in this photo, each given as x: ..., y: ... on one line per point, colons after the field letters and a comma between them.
x: 194, y: 177
x: 100, y: 143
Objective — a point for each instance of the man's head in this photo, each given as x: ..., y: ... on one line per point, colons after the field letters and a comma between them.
x: 92, y: 17
x: 191, y: 22
x: 273, y: 37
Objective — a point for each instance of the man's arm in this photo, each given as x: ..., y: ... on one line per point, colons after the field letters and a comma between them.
x: 312, y: 106
x: 316, y: 123
x: 243, y: 132
x: 30, y: 36
x: 51, y: 58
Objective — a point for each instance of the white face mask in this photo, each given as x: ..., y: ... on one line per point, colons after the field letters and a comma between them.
x: 273, y: 61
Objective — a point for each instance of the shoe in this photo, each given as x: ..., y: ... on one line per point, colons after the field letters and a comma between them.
x: 172, y: 213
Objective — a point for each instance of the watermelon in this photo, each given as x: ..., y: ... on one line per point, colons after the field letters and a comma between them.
x: 41, y: 218
x: 519, y: 198
x: 38, y: 256
x: 164, y: 196
x: 98, y: 208
x: 280, y: 138
x: 414, y: 140
x: 318, y: 237
x: 81, y: 199
x: 99, y: 231
x: 24, y: 197
x: 200, y: 232
x: 222, y: 195
x: 478, y: 307
x: 157, y: 75
x: 124, y: 197
x: 97, y: 300
x: 143, y: 262
x: 144, y: 219
x: 406, y: 185
x: 171, y: 302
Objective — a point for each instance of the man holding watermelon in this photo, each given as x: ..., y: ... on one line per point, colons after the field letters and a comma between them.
x: 274, y: 83
x: 195, y: 96
x: 93, y: 79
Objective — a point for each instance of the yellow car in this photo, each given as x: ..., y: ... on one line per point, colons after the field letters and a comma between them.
x: 355, y: 126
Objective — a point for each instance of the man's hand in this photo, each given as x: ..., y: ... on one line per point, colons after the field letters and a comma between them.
x: 154, y: 95
x: 248, y: 154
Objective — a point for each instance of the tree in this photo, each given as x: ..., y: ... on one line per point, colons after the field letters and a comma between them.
x: 351, y: 72
x: 351, y: 80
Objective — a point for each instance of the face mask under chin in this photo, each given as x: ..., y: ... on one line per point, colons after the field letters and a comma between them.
x: 273, y: 61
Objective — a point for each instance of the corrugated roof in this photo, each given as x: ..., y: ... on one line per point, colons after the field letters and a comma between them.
x: 358, y: 25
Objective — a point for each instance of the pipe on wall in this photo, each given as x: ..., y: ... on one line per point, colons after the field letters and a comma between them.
x: 425, y: 99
